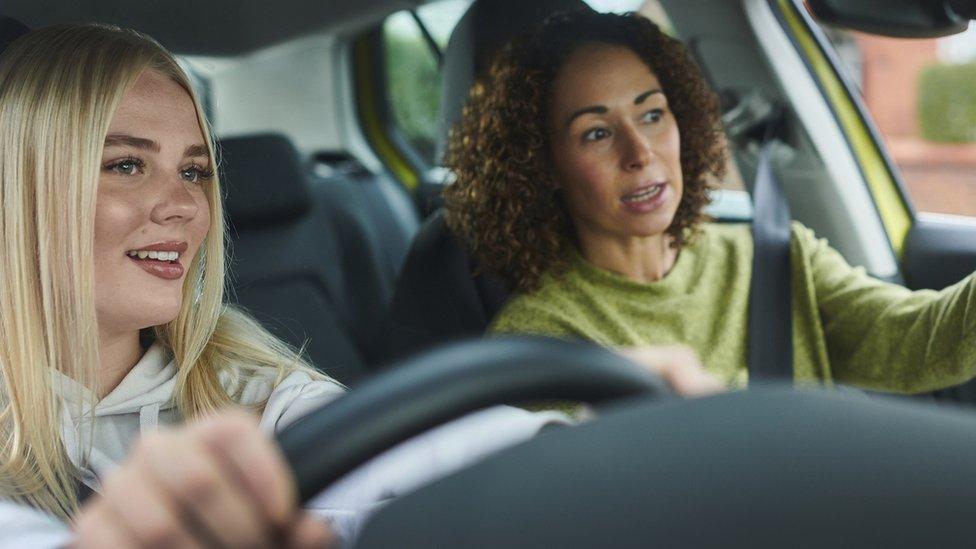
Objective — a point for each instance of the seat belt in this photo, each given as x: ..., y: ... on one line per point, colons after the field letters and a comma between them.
x: 770, y: 296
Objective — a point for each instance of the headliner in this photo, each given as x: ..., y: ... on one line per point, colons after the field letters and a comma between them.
x: 206, y: 27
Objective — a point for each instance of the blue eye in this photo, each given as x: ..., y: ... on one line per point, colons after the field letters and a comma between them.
x: 652, y: 116
x: 196, y: 174
x: 126, y: 166
x: 596, y: 134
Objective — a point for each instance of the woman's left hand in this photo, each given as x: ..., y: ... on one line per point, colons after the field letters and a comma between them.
x: 678, y: 365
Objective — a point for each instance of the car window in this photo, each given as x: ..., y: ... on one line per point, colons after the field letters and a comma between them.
x: 412, y: 72
x: 921, y: 95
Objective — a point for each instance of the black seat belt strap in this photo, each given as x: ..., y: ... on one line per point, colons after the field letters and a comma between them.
x: 770, y: 296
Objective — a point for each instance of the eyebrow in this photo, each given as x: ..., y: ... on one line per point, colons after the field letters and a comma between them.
x: 600, y: 109
x: 595, y: 109
x: 194, y: 151
x: 125, y: 140
x: 642, y: 97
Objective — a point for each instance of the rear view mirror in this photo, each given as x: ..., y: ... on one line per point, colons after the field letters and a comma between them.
x: 898, y: 18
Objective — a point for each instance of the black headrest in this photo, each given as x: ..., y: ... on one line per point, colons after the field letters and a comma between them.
x: 264, y: 180
x: 10, y: 30
x: 482, y: 31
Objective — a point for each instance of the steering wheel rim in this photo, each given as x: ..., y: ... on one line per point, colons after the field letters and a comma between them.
x: 434, y: 387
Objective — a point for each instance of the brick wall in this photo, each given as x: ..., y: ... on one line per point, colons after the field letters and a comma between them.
x: 939, y: 177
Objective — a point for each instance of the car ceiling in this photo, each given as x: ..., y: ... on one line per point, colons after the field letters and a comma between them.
x: 207, y: 27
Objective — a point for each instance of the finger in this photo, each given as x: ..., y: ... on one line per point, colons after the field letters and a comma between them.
x: 662, y: 359
x: 98, y: 527
x: 310, y: 532
x: 255, y: 463
x: 143, y: 510
x: 208, y: 496
x: 695, y: 382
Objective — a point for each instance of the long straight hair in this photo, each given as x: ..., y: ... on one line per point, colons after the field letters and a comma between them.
x: 59, y: 89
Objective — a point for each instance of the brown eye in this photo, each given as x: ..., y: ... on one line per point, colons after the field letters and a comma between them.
x: 596, y: 134
x: 652, y: 116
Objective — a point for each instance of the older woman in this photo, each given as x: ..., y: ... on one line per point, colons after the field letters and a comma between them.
x: 114, y: 331
x: 582, y: 164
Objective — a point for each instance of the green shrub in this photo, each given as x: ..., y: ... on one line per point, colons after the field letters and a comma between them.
x: 947, y: 102
x: 414, y: 90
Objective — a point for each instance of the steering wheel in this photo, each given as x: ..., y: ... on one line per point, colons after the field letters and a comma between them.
x: 435, y: 387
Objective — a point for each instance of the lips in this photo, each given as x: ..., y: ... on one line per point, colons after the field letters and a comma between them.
x: 645, y: 192
x: 165, y: 261
x: 171, y: 246
x: 646, y: 198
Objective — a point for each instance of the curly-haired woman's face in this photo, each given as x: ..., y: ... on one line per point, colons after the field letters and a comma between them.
x: 615, y: 145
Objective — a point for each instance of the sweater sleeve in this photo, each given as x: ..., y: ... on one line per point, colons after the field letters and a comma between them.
x: 884, y: 336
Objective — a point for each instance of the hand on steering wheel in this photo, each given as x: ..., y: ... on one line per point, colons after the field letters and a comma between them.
x: 679, y: 365
x: 216, y: 482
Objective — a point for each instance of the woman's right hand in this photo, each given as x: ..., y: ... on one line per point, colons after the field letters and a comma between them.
x: 679, y: 365
x: 219, y: 482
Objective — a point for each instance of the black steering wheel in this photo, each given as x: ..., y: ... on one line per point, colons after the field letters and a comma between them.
x: 435, y: 387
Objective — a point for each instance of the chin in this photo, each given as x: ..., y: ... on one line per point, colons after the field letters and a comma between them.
x: 653, y: 228
x: 162, y: 313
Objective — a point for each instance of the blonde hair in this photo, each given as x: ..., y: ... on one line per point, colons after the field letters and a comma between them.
x: 59, y: 88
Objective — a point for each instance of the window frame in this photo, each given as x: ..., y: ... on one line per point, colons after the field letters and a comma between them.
x: 884, y: 180
x: 373, y: 108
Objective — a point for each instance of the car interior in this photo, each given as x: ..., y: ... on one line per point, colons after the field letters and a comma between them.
x: 325, y: 195
x: 338, y: 242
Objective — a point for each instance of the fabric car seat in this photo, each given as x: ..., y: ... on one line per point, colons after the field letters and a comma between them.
x: 307, y: 258
x: 441, y: 294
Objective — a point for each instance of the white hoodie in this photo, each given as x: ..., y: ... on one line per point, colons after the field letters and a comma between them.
x: 143, y: 400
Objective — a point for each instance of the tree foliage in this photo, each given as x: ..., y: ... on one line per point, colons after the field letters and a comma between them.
x: 413, y: 83
x: 947, y: 102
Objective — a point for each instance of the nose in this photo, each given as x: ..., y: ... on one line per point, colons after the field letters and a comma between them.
x: 174, y: 202
x: 637, y: 152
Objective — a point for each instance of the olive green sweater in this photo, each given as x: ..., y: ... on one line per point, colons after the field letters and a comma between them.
x: 847, y: 327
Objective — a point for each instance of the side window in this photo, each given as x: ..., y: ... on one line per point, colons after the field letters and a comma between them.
x: 411, y: 42
x: 922, y: 97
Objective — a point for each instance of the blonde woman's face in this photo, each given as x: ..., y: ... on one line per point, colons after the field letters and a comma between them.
x: 615, y: 145
x: 152, y: 212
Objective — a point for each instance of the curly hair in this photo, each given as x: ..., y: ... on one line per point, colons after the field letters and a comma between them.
x: 504, y: 205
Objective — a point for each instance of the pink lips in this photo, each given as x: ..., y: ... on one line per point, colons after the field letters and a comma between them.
x: 165, y: 247
x: 169, y: 270
x: 648, y: 204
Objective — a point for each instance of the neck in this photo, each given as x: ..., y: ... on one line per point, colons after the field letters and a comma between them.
x: 641, y: 259
x: 119, y: 352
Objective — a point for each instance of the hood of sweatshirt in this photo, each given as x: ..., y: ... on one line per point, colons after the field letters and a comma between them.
x: 150, y: 382
x: 135, y: 406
